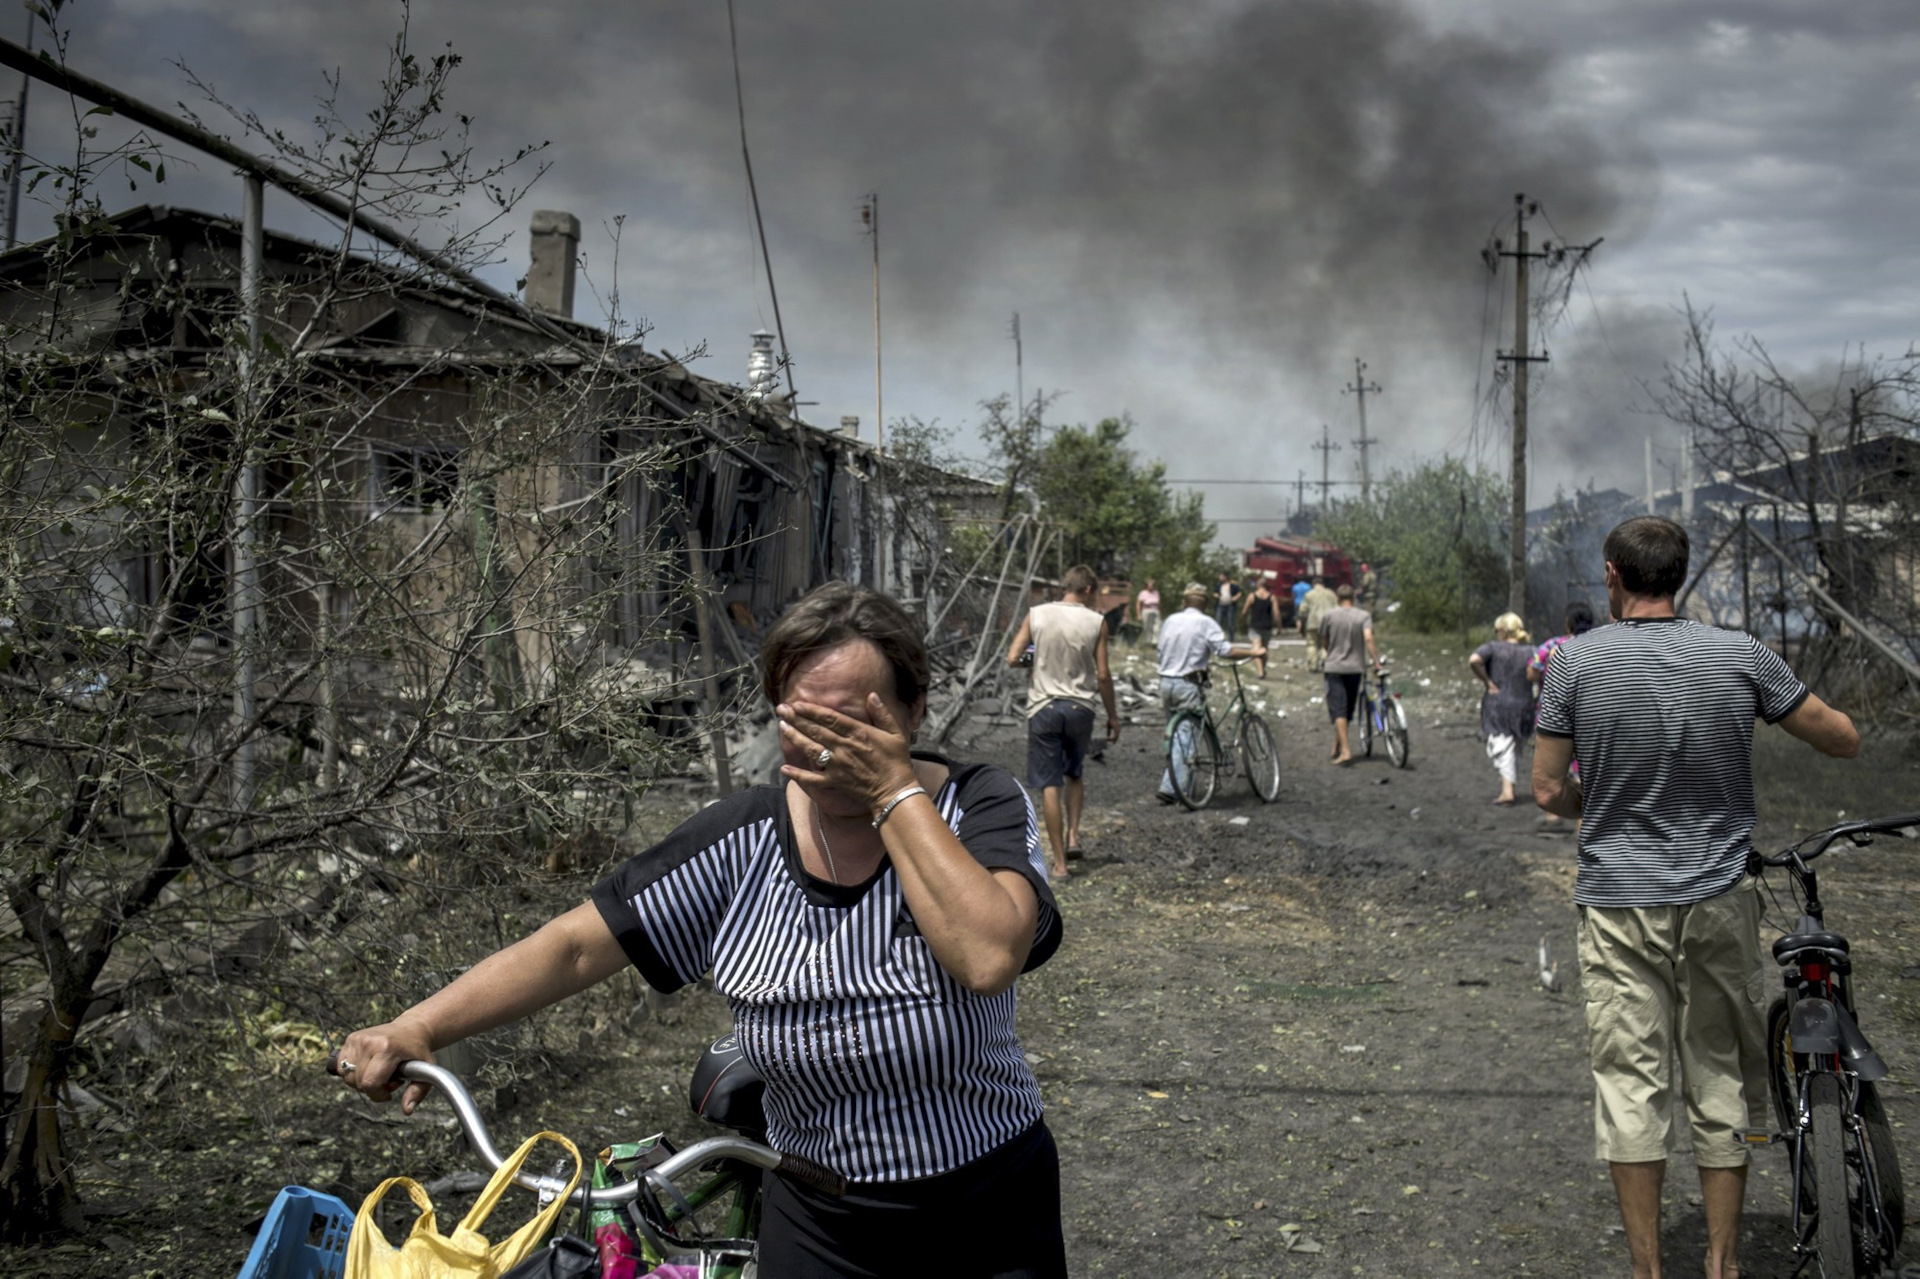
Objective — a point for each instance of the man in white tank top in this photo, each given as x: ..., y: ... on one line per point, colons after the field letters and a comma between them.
x: 1069, y: 671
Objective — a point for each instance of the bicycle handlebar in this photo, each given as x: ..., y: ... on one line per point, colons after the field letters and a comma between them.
x: 700, y: 1152
x: 1822, y: 839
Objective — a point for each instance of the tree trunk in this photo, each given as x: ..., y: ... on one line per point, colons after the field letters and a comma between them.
x: 37, y: 1195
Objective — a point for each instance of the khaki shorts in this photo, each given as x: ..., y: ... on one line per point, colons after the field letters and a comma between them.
x: 1661, y: 979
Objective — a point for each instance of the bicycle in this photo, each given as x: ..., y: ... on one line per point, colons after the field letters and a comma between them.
x: 715, y: 1223
x: 1848, y: 1204
x: 1381, y: 715
x: 1198, y: 753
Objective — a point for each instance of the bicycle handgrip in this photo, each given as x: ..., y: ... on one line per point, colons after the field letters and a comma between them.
x: 333, y: 1066
x: 803, y: 1169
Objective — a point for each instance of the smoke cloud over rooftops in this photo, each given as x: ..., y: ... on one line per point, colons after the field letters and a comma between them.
x: 1203, y: 212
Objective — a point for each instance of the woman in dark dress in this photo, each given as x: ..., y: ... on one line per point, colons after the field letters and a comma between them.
x: 1506, y: 711
x: 1262, y: 614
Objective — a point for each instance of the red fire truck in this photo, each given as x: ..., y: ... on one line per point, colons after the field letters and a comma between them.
x: 1290, y: 559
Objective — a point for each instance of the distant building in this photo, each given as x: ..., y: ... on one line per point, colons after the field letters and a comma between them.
x: 777, y: 505
x: 1843, y: 516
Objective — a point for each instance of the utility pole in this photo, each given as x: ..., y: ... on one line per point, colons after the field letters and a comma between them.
x: 1300, y: 493
x: 1019, y: 378
x: 870, y: 220
x: 245, y: 588
x: 870, y: 217
x: 1652, y: 507
x: 1520, y: 357
x: 1686, y: 482
x: 1360, y: 389
x: 1326, y: 448
x: 17, y: 135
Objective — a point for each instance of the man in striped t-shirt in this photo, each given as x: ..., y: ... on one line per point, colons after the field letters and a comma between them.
x: 1659, y: 712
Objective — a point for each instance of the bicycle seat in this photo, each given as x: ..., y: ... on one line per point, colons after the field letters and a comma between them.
x: 728, y: 1090
x: 1788, y: 948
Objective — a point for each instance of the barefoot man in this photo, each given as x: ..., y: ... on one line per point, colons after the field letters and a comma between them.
x: 1346, y: 637
x: 1069, y: 672
x: 1659, y: 711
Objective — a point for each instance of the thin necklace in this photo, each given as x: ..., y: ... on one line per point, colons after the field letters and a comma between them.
x: 833, y: 872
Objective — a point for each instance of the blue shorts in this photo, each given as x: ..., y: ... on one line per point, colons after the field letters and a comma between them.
x: 1058, y: 735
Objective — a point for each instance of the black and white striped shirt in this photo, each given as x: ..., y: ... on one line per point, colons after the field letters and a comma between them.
x: 879, y: 1065
x: 1661, y: 715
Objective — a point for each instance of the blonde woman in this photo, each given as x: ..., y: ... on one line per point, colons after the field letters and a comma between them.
x: 1506, y: 711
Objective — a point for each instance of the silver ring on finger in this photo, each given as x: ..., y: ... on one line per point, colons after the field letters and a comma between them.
x: 820, y: 760
x: 347, y: 1068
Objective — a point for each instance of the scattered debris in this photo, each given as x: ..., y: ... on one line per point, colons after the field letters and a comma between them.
x: 1549, y: 969
x: 1294, y: 1239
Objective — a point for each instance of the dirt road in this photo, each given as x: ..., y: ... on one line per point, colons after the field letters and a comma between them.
x: 1300, y: 1038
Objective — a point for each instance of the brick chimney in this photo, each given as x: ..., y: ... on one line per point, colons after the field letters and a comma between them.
x: 554, y: 238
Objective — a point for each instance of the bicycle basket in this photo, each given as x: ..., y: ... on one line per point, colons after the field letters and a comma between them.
x: 303, y: 1237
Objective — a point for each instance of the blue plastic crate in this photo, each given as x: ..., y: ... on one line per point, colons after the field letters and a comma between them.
x: 304, y: 1237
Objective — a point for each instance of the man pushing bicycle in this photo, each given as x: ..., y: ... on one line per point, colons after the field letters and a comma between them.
x: 1189, y: 640
x: 1659, y: 712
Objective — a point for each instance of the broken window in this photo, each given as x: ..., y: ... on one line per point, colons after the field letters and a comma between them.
x: 415, y: 477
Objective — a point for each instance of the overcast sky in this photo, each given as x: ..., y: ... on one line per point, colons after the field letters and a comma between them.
x: 1202, y: 211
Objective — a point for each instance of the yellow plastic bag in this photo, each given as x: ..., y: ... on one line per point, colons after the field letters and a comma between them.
x: 464, y: 1254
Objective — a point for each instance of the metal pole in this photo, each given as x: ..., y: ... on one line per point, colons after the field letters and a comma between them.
x: 882, y: 557
x: 1517, y: 545
x: 246, y: 585
x: 1360, y: 388
x: 1779, y: 579
x: 19, y: 142
x: 1746, y: 587
x: 1686, y: 482
x: 1019, y: 377
x: 709, y: 686
x: 1327, y: 448
x: 1651, y: 505
x: 1366, y: 471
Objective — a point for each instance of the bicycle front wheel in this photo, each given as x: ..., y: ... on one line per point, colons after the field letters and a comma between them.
x: 1877, y: 1251
x: 1823, y: 1154
x: 1193, y: 760
x: 1262, y: 757
x: 1399, y: 743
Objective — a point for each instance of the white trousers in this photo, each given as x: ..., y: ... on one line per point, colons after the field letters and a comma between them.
x: 1504, y: 750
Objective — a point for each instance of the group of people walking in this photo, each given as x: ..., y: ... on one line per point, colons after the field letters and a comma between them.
x: 867, y: 914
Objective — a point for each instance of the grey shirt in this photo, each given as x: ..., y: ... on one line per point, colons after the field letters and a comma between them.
x: 1661, y: 715
x: 1344, y: 632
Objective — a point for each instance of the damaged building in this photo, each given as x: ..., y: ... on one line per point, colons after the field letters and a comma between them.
x: 698, y: 506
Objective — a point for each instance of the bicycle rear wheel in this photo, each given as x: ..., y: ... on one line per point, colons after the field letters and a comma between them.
x: 1193, y: 761
x: 1783, y: 1068
x: 1262, y: 757
x: 1399, y: 743
x: 1364, y: 722
x: 1827, y: 1160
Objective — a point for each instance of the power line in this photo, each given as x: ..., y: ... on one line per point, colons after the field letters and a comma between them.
x: 1274, y: 483
x: 746, y: 158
